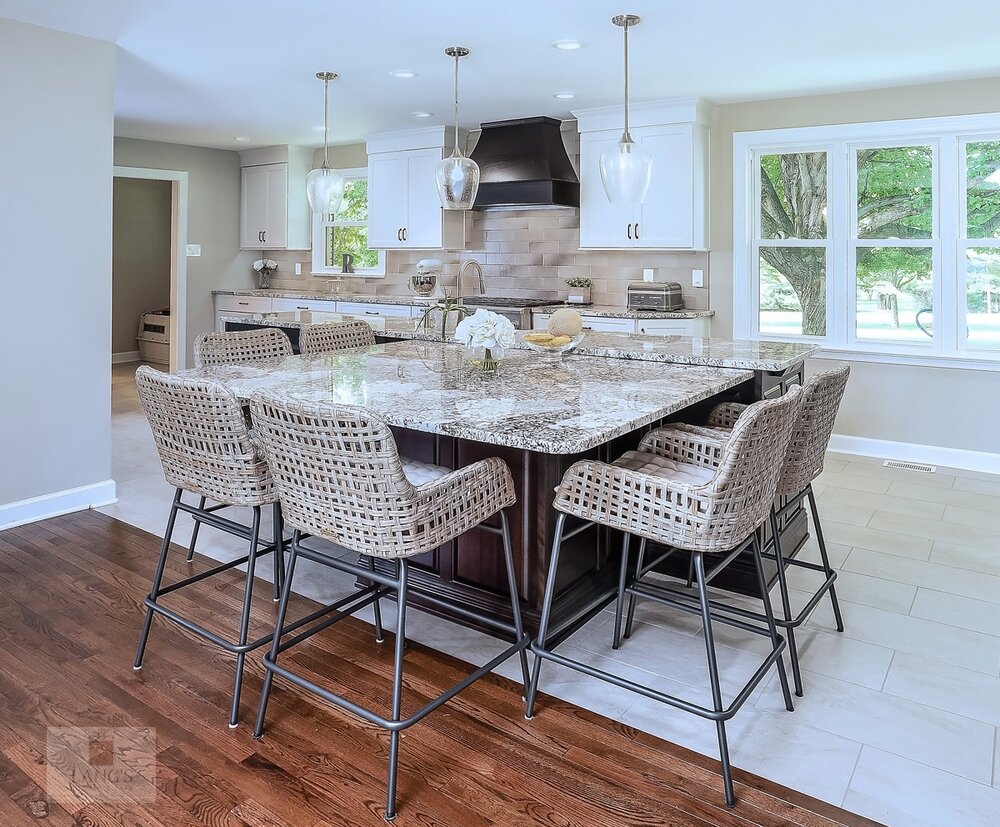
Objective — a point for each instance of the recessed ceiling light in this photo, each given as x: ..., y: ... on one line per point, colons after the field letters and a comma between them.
x: 243, y: 139
x: 403, y: 73
x: 568, y: 45
x: 421, y: 114
x: 564, y: 96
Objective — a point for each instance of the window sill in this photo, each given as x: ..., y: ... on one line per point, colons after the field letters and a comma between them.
x: 950, y: 362
x: 357, y: 274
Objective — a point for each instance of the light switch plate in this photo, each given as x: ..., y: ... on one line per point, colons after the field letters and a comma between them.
x: 647, y: 274
x: 697, y: 278
x: 193, y: 249
x: 298, y: 268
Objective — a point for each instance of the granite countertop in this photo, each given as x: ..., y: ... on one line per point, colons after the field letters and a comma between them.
x: 563, y: 406
x: 619, y: 312
x: 743, y: 354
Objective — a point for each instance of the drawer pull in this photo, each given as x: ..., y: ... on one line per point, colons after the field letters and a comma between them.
x: 371, y: 312
x: 244, y: 304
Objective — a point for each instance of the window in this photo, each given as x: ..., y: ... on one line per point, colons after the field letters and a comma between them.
x: 873, y: 238
x: 346, y: 233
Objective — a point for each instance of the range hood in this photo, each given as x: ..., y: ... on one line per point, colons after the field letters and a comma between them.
x: 523, y: 163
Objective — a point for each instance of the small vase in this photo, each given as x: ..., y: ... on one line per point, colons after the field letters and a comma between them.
x: 487, y: 359
x: 263, y: 279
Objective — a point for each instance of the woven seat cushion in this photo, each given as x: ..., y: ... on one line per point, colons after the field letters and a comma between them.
x: 663, y: 468
x: 418, y: 472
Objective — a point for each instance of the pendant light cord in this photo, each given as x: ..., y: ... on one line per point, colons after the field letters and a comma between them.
x: 326, y: 122
x: 456, y: 103
x: 626, y: 136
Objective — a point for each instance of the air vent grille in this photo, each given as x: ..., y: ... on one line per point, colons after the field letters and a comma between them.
x: 910, y: 466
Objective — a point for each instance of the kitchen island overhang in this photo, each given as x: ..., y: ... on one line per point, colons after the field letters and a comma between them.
x: 540, y: 415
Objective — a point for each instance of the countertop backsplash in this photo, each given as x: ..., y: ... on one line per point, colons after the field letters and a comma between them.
x: 524, y: 253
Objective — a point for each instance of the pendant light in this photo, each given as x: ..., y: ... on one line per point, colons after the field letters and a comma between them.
x: 325, y: 186
x: 457, y: 177
x: 626, y: 167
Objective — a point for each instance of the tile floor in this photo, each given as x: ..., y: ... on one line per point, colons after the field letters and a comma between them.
x: 901, y: 712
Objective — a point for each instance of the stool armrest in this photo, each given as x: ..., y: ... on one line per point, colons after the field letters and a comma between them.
x: 685, y: 444
x: 726, y: 414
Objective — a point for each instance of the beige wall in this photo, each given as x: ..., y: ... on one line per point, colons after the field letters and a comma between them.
x: 55, y: 218
x: 928, y: 406
x: 141, y: 256
x: 213, y: 221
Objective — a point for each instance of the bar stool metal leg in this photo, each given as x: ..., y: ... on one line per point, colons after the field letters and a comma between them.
x: 640, y: 561
x: 194, y: 531
x: 713, y: 676
x: 515, y: 605
x: 377, y: 608
x: 279, y: 626
x: 278, y: 526
x: 241, y: 656
x: 154, y: 591
x: 772, y: 626
x: 821, y: 541
x: 397, y: 689
x: 543, y: 626
x: 786, y: 607
x: 620, y: 602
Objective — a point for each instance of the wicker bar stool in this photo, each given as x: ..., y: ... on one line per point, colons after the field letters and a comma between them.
x: 703, y: 495
x: 239, y: 347
x: 334, y: 337
x: 339, y: 477
x: 204, y: 446
x: 821, y: 399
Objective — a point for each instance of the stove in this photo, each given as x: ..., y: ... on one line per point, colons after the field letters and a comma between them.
x: 517, y: 310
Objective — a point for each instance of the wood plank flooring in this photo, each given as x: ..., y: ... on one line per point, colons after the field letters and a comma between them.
x: 85, y: 740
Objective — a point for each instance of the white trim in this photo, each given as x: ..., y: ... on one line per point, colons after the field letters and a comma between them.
x: 318, y: 238
x: 178, y: 253
x: 59, y: 502
x: 879, y: 358
x: 913, y: 452
x: 125, y: 356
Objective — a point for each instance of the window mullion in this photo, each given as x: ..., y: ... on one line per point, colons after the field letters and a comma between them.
x: 840, y: 214
x: 950, y: 319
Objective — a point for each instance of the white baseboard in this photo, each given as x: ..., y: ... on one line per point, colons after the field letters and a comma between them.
x: 59, y: 502
x: 913, y: 452
x: 126, y: 356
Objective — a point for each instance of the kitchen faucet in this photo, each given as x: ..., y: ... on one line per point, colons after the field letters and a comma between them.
x: 461, y: 275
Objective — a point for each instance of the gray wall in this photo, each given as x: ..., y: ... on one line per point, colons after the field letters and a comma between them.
x: 55, y: 216
x: 928, y: 406
x: 213, y: 221
x: 141, y: 256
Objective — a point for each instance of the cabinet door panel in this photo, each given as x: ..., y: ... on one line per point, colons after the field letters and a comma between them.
x: 602, y: 224
x: 387, y: 199
x: 423, y: 213
x: 666, y: 217
x: 253, y: 212
x: 276, y: 228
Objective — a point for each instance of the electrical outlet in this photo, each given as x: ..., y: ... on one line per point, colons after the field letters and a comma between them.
x: 647, y: 274
x: 697, y: 278
x: 298, y: 268
x: 193, y: 249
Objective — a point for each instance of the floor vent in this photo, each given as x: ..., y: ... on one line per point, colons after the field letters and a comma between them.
x: 910, y: 466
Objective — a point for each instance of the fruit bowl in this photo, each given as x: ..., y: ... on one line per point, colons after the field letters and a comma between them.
x: 556, y: 346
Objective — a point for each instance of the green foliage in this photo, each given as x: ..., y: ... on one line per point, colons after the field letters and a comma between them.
x: 983, y: 159
x: 895, y: 192
x: 353, y: 240
x: 579, y: 281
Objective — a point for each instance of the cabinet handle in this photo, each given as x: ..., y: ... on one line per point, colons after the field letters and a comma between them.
x: 637, y: 231
x: 399, y: 234
x: 260, y: 236
x: 302, y: 307
x: 404, y: 233
x: 264, y: 236
x: 629, y: 232
x: 371, y: 312
x: 585, y: 327
x: 244, y: 304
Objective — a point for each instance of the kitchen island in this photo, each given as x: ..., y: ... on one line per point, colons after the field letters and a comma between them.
x: 539, y: 414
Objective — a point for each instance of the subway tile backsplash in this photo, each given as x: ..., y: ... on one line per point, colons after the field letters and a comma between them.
x: 524, y: 253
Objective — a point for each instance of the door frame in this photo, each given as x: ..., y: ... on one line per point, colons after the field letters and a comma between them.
x: 178, y: 253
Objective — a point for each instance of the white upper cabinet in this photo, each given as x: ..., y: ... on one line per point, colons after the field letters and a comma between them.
x: 403, y: 206
x: 274, y: 212
x: 674, y: 214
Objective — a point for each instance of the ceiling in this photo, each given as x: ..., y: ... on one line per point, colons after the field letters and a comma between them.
x: 205, y: 73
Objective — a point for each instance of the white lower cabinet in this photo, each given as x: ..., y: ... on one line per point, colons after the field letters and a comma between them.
x: 396, y: 311
x: 291, y: 305
x: 649, y: 327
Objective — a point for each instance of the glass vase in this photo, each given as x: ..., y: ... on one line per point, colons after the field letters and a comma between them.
x: 486, y: 359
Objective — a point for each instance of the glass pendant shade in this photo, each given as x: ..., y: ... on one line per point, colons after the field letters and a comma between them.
x: 325, y: 190
x: 457, y: 180
x: 626, y: 169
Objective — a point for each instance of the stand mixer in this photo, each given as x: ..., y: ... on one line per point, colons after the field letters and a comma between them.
x: 425, y: 281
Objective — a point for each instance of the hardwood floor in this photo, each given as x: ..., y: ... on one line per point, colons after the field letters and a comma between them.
x: 85, y: 740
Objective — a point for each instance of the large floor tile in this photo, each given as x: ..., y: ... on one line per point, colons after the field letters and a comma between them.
x: 971, y: 516
x: 845, y: 658
x: 966, y: 557
x: 905, y: 793
x: 881, y: 502
x: 937, y: 479
x: 978, y: 486
x: 836, y: 552
x: 871, y: 537
x: 917, y: 494
x: 853, y: 482
x: 964, y: 692
x: 914, y: 730
x: 953, y: 610
x: 969, y: 534
x: 923, y: 573
x: 885, y: 594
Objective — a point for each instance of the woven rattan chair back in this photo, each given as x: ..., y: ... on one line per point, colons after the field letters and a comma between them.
x: 334, y: 337
x: 202, y: 439
x: 339, y: 475
x: 820, y: 401
x: 745, y: 484
x: 241, y: 347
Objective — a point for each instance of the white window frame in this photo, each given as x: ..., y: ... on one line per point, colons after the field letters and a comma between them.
x: 319, y: 225
x: 949, y: 137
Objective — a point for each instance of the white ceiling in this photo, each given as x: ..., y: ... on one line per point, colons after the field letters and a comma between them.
x: 203, y: 72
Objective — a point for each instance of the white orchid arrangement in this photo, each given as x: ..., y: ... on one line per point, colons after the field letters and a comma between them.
x: 265, y: 266
x: 485, y: 329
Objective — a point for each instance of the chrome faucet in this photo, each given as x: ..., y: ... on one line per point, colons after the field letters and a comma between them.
x: 461, y: 275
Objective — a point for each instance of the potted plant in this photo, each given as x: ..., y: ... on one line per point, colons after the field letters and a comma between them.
x: 579, y: 290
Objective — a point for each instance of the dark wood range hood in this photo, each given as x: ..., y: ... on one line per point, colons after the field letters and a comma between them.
x: 523, y: 164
